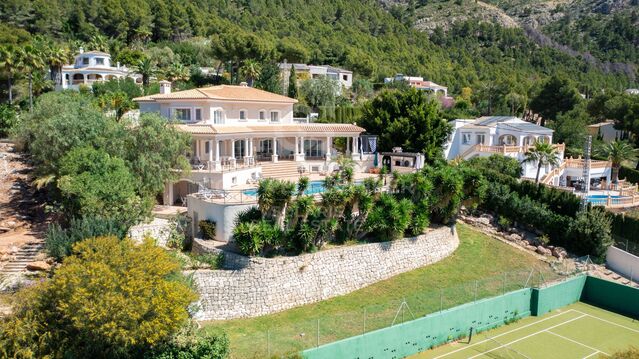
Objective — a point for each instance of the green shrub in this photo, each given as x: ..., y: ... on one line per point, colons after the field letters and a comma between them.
x: 504, y: 222
x: 207, y: 228
x: 252, y: 214
x: 8, y: 119
x: 199, y: 344
x: 390, y: 217
x: 590, y: 232
x: 178, y: 238
x: 59, y: 241
x: 214, y: 261
x: 254, y: 238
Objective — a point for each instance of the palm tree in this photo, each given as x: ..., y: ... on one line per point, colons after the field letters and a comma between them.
x: 56, y: 57
x: 177, y: 72
x: 251, y: 70
x: 543, y: 154
x: 147, y: 68
x: 617, y: 152
x: 10, y: 64
x: 32, y: 62
x: 98, y: 43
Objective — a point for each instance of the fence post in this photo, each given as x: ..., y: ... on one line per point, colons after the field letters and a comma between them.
x: 364, y: 332
x: 503, y: 287
x: 476, y: 285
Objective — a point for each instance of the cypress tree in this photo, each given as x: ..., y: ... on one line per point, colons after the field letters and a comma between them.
x: 292, y: 83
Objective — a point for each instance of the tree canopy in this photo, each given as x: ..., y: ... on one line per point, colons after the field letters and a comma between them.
x: 409, y: 119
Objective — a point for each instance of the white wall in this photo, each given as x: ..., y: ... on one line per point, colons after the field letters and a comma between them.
x: 623, y: 262
x: 222, y: 214
x: 231, y: 110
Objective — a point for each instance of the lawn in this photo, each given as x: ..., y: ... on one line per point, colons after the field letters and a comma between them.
x: 480, y: 267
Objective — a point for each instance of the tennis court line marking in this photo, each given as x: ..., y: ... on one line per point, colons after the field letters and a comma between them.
x: 609, y: 322
x: 576, y: 342
x: 528, y: 336
x: 595, y: 353
x: 508, y: 332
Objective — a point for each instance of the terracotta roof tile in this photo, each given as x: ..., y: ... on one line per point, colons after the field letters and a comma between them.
x: 310, y: 128
x: 222, y: 92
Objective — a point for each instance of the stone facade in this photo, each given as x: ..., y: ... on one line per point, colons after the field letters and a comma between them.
x: 252, y: 287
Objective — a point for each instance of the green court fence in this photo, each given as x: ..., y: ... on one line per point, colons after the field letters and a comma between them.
x: 325, y: 329
x: 612, y: 296
x: 439, y: 328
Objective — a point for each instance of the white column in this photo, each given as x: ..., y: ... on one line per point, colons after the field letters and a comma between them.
x: 197, y: 149
x: 297, y: 143
x: 274, y: 157
x: 328, y: 147
x: 299, y: 155
x: 232, y: 159
x: 355, y: 152
x: 216, y: 164
x: 210, y: 154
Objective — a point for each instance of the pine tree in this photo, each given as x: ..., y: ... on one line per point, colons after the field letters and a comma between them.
x: 292, y: 83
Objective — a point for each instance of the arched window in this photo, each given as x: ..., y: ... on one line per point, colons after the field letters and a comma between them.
x: 529, y: 141
x: 543, y: 139
x: 508, y: 140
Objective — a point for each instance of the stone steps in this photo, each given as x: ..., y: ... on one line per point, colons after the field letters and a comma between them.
x: 24, y: 256
x: 280, y: 169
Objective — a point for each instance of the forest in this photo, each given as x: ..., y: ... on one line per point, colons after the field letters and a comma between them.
x: 359, y: 35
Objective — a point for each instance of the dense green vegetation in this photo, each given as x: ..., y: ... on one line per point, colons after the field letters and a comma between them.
x: 547, y: 210
x: 358, y: 35
x: 94, y: 164
x: 288, y: 221
x: 110, y: 299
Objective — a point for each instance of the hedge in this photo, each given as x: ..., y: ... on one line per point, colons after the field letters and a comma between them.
x: 629, y: 174
x: 625, y: 226
x: 561, y: 202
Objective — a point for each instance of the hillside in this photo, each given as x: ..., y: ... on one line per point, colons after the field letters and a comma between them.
x: 371, y: 39
x: 603, y: 33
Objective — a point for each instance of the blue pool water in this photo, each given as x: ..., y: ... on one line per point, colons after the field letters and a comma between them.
x: 601, y: 199
x: 314, y: 187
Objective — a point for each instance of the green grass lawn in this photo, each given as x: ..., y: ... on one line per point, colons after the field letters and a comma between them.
x: 475, y: 269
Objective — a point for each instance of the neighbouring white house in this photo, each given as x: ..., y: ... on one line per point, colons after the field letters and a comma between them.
x: 513, y: 137
x: 305, y: 72
x: 419, y: 83
x: 632, y: 91
x: 606, y: 131
x: 90, y: 67
x: 240, y: 135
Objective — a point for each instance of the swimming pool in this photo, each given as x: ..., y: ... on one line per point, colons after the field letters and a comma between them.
x: 314, y: 187
x: 602, y: 199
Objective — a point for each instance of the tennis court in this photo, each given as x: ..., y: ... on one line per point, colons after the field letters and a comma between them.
x: 575, y: 331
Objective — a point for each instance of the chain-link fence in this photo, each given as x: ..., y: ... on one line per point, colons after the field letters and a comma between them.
x: 286, y: 340
x: 627, y: 245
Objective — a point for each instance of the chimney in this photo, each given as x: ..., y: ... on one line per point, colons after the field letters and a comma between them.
x: 165, y: 87
x: 81, y: 50
x: 243, y: 84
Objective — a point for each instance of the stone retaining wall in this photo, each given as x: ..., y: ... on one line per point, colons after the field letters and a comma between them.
x: 259, y: 286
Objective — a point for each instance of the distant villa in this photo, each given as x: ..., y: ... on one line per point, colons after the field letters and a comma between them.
x: 90, y: 67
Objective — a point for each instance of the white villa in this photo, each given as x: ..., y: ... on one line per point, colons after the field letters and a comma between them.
x: 241, y: 134
x: 90, y: 67
x: 419, y: 83
x: 511, y: 136
x: 305, y: 72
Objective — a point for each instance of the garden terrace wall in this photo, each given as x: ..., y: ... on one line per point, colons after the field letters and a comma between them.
x: 259, y: 286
